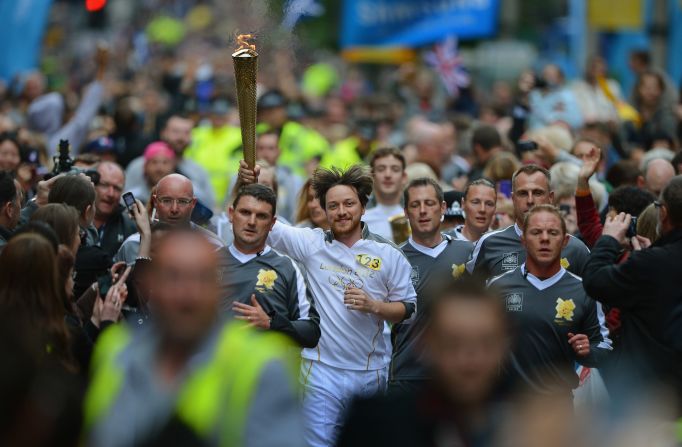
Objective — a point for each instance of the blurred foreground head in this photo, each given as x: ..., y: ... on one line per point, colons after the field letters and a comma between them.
x: 466, y: 340
x: 185, y: 295
x: 30, y: 297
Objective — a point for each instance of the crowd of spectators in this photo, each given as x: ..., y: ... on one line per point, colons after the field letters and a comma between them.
x: 117, y: 311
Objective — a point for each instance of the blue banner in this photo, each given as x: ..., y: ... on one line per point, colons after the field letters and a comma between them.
x: 675, y: 41
x: 22, y: 23
x: 410, y: 23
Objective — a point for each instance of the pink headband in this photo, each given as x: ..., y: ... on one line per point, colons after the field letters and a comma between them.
x: 158, y: 148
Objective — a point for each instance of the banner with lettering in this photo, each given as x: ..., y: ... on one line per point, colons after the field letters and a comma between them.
x: 411, y: 23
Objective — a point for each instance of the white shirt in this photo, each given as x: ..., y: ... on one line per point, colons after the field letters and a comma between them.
x: 377, y: 219
x: 542, y: 284
x: 430, y: 251
x: 457, y: 233
x: 246, y: 257
x: 350, y: 339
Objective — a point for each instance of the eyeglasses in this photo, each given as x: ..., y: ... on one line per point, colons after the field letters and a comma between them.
x: 169, y: 201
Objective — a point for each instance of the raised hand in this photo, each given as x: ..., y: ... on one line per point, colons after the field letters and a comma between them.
x: 590, y: 165
x: 44, y: 187
x: 101, y: 60
x: 141, y: 218
x: 247, y: 175
x: 617, y: 227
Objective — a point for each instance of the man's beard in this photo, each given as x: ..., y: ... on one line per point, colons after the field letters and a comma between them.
x: 343, y: 232
x: 178, y: 147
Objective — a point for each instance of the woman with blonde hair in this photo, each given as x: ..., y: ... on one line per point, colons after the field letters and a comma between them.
x: 309, y: 213
x: 501, y: 167
x: 647, y: 223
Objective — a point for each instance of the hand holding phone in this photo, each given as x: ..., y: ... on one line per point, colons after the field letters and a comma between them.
x: 138, y: 213
x: 108, y: 307
x: 106, y: 282
x: 129, y: 201
x: 526, y: 146
x: 632, y: 229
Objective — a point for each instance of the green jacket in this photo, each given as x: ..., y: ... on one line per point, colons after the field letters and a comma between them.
x: 298, y: 145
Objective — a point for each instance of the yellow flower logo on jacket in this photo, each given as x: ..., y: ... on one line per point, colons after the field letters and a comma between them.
x: 564, y: 309
x: 457, y: 270
x: 266, y: 278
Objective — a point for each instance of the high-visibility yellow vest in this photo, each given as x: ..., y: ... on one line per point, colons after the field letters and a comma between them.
x: 298, y: 145
x: 344, y: 154
x: 214, y: 401
x: 217, y: 151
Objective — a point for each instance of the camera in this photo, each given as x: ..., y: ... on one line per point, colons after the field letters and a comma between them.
x: 541, y: 83
x: 63, y: 164
x: 526, y: 146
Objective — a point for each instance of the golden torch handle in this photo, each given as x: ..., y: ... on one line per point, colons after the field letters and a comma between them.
x: 245, y: 61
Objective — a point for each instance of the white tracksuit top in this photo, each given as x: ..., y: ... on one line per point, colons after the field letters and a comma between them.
x: 350, y: 339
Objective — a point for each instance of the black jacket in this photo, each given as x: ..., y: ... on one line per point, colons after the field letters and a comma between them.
x: 422, y: 418
x: 116, y: 230
x: 647, y: 287
x: 5, y: 234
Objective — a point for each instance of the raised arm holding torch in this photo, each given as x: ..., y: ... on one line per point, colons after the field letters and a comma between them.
x: 245, y: 61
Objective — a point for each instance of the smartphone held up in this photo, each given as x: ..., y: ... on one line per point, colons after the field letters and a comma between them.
x: 129, y: 200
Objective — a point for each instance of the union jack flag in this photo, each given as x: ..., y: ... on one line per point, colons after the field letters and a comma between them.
x: 447, y: 62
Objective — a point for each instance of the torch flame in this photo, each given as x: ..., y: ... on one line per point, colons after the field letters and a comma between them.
x: 242, y: 40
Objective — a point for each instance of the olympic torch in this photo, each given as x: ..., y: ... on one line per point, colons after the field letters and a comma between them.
x: 245, y: 61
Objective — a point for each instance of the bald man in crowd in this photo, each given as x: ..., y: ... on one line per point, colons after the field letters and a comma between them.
x: 656, y: 175
x: 428, y: 139
x: 173, y: 201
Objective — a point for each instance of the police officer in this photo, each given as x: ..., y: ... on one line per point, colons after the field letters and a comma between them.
x: 299, y: 144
